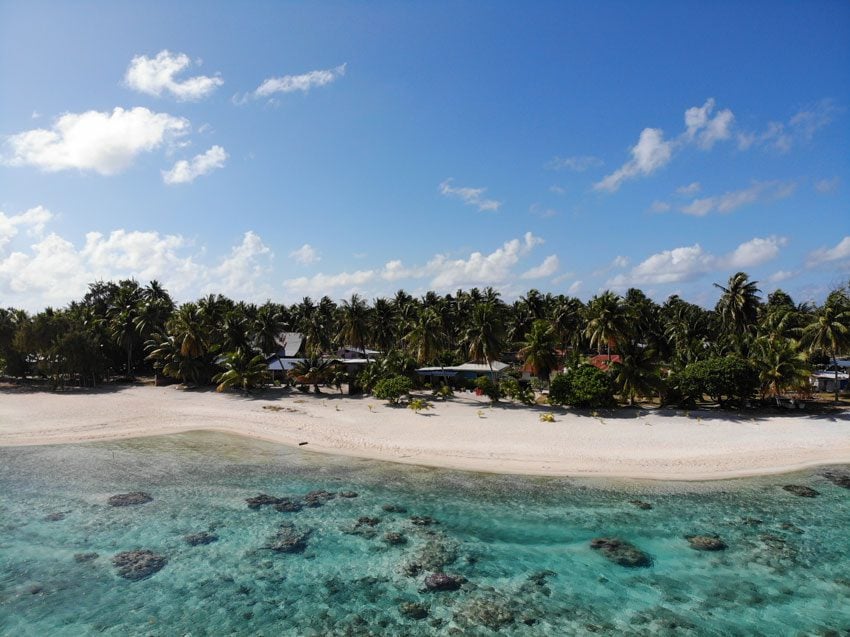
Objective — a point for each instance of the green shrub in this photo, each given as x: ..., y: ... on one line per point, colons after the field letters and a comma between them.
x: 725, y: 379
x: 417, y: 405
x: 515, y: 390
x: 392, y: 389
x: 547, y: 417
x: 443, y: 391
x: 488, y: 387
x: 584, y: 387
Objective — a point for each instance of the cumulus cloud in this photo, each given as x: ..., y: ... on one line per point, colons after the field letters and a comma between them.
x: 158, y: 75
x: 839, y: 252
x: 781, y: 275
x: 659, y: 206
x: 576, y: 163
x: 32, y: 221
x: 321, y: 284
x: 103, y: 142
x: 302, y: 83
x: 653, y: 152
x: 687, y: 263
x: 649, y: 154
x: 691, y: 189
x: 186, y: 171
x: 705, y: 129
x: 549, y: 266
x: 469, y: 196
x: 729, y: 201
x: 305, y: 255
x: 53, y: 271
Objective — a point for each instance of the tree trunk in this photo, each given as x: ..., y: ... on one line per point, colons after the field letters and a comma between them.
x: 835, y: 363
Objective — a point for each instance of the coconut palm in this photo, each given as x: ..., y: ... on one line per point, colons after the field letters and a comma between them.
x: 781, y: 366
x: 313, y: 371
x: 484, y: 337
x: 354, y: 321
x: 244, y: 369
x: 167, y: 355
x: 606, y: 321
x: 737, y: 309
x: 538, y: 350
x: 187, y: 326
x: 636, y: 373
x: 829, y: 332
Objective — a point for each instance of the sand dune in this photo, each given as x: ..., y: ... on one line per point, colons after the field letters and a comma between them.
x: 463, y: 433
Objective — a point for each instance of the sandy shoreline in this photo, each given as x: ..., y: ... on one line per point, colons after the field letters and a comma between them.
x: 464, y: 433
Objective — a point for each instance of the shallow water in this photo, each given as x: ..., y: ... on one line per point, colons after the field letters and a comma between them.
x: 786, y: 570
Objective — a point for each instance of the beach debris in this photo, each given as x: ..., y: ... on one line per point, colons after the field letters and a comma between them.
x: 318, y: 497
x: 413, y: 610
x: 800, y: 490
x: 288, y: 505
x: 547, y: 417
x: 838, y: 479
x: 129, y: 499
x: 197, y: 539
x: 85, y: 557
x: 442, y: 582
x: 393, y: 508
x: 54, y: 517
x: 348, y: 494
x: 138, y: 565
x: 288, y: 540
x: 301, y: 444
x: 640, y: 504
x: 263, y: 499
x: 394, y: 539
x: 621, y: 552
x: 423, y: 520
x: 706, y: 542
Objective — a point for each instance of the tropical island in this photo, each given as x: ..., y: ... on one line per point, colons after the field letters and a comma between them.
x: 547, y: 384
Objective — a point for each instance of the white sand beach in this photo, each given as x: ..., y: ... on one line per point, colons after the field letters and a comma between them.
x: 462, y: 433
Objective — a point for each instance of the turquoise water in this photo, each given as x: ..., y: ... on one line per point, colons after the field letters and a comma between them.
x: 522, y: 544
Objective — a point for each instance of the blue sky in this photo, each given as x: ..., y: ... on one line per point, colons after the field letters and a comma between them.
x: 277, y: 150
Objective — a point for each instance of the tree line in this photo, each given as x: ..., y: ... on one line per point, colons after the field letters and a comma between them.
x: 675, y: 349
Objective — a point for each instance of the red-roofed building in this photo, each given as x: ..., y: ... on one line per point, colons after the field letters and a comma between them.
x: 601, y: 361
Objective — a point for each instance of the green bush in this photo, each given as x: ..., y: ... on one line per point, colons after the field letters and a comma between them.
x: 488, y: 387
x: 515, y: 390
x: 443, y: 391
x: 725, y: 379
x: 392, y: 389
x: 585, y: 387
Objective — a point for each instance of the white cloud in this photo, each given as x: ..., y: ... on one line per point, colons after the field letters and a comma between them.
x: 32, y: 220
x: 575, y: 287
x: 321, y: 284
x: 184, y: 171
x: 752, y: 253
x: 826, y: 186
x: 469, y: 196
x: 729, y: 201
x: 305, y: 255
x: 826, y: 255
x: 155, y: 76
x: 576, y: 163
x: 781, y: 275
x: 549, y: 266
x: 658, y: 206
x: 243, y: 273
x: 690, y: 262
x: 480, y: 269
x: 648, y: 155
x: 691, y: 189
x: 558, y: 190
x: 800, y: 128
x: 303, y: 83
x: 106, y: 143
x: 704, y: 129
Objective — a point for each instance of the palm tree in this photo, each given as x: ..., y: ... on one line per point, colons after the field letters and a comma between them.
x: 354, y: 323
x: 122, y: 318
x: 738, y: 308
x: 484, y: 336
x: 313, y: 371
x: 267, y: 327
x: 538, y: 350
x: 830, y: 330
x: 187, y: 326
x: 636, y: 374
x: 606, y: 323
x: 243, y: 369
x: 167, y: 355
x: 780, y: 366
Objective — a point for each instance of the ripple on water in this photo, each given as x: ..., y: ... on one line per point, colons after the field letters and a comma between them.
x: 519, y: 548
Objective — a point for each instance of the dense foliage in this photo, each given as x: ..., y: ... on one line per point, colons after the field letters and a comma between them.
x: 746, y: 346
x: 585, y: 387
x: 393, y: 389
